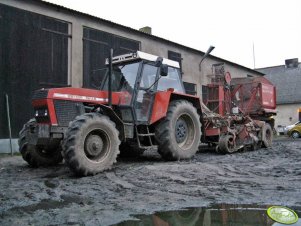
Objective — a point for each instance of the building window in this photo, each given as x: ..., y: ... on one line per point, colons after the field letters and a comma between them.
x: 96, y: 48
x: 176, y: 57
x: 190, y: 88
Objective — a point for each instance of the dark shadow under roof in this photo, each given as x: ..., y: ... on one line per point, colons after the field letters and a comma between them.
x: 129, y: 29
x: 287, y: 82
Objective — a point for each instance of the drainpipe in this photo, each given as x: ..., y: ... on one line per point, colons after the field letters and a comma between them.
x: 8, y: 122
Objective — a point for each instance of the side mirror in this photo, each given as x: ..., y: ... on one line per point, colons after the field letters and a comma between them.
x: 163, y: 70
x: 158, y: 62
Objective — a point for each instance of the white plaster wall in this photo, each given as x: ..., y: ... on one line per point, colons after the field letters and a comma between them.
x: 287, y: 114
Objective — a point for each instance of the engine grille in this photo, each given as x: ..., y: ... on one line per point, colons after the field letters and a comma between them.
x: 66, y: 111
x: 40, y: 94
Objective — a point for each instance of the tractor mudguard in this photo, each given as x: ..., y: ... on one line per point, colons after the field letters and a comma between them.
x: 162, y: 100
x: 115, y: 118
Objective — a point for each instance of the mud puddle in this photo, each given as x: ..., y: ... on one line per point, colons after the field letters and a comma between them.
x: 222, y: 214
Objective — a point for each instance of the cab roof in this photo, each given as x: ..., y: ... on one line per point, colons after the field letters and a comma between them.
x: 143, y: 56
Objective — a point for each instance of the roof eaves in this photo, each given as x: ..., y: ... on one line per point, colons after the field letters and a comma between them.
x: 277, y: 66
x: 262, y: 68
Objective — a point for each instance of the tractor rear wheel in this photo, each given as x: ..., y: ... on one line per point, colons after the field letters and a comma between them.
x: 91, y: 144
x: 34, y: 155
x: 266, y: 135
x: 179, y: 133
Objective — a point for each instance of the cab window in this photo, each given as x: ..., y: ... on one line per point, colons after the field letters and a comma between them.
x: 172, y: 80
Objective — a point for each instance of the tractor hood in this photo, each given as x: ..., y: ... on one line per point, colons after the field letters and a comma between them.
x: 78, y: 95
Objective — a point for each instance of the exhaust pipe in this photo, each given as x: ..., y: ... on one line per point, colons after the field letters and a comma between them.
x: 110, y: 78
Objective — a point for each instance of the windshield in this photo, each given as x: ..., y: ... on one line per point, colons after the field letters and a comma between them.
x: 123, y: 80
x: 124, y: 77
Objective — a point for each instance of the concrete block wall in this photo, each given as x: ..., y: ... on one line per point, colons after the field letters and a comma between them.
x: 5, y: 146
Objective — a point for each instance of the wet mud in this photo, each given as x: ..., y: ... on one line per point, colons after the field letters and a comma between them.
x: 54, y: 196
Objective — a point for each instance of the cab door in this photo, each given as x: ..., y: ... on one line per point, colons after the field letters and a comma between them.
x: 145, y: 94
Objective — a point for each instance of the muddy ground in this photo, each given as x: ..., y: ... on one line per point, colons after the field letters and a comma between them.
x: 53, y: 196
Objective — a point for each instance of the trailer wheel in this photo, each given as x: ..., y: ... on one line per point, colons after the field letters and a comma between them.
x: 91, y: 144
x: 179, y: 133
x: 226, y: 144
x: 217, y: 150
x: 34, y: 155
x: 266, y: 135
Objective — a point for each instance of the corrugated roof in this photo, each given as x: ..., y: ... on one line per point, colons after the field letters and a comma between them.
x: 59, y: 7
x: 287, y: 82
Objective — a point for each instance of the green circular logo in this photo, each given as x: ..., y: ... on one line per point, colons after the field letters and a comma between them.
x: 282, y: 215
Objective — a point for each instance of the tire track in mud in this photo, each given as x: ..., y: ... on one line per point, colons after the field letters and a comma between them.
x: 247, y: 176
x: 152, y: 185
x: 172, y: 180
x: 112, y: 176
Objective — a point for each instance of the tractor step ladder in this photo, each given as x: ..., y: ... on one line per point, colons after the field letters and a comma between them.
x: 143, y: 135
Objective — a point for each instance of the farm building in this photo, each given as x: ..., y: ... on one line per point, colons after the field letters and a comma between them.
x: 43, y: 45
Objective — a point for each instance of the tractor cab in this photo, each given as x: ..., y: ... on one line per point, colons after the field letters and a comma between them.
x: 136, y: 78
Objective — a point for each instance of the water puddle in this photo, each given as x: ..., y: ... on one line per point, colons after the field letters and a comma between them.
x: 217, y: 215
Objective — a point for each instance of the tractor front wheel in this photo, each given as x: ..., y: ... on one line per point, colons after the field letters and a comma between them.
x: 179, y: 133
x: 91, y: 144
x: 34, y: 155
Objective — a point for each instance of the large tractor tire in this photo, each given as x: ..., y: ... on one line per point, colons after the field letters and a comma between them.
x: 179, y: 133
x: 129, y: 151
x: 266, y: 135
x: 91, y: 144
x: 34, y: 155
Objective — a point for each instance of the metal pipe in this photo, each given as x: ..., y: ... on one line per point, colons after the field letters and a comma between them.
x: 110, y: 77
x: 205, y: 55
x: 8, y: 122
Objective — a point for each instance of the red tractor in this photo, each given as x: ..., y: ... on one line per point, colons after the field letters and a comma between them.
x: 141, y: 104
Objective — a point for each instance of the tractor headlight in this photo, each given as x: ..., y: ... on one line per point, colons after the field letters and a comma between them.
x: 41, y: 114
